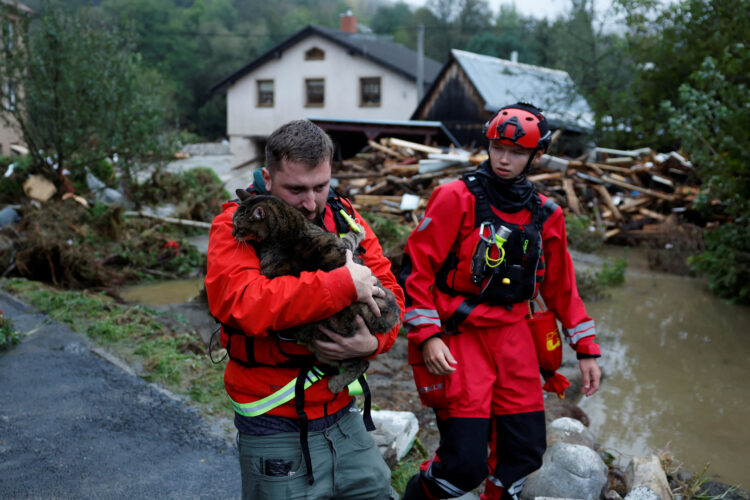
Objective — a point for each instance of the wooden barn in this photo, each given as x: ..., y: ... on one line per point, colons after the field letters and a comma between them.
x: 471, y: 87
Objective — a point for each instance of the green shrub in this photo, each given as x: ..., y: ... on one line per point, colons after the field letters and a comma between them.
x: 8, y: 335
x: 726, y: 262
x: 11, y: 187
x: 583, y: 234
x: 612, y: 273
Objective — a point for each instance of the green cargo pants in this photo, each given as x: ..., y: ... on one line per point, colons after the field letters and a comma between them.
x: 345, y: 460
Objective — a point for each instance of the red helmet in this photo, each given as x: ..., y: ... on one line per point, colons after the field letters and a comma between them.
x: 520, y: 124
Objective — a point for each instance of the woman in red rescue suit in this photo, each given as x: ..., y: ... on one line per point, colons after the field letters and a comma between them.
x: 488, y: 243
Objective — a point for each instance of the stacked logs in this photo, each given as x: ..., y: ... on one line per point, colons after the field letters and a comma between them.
x: 627, y: 193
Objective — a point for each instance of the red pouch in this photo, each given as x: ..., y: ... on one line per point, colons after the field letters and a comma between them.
x: 548, y: 344
x: 431, y: 388
x: 547, y: 339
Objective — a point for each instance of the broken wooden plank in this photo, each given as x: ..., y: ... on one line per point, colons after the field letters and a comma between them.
x: 650, y: 192
x: 386, y: 150
x: 570, y: 193
x: 171, y: 220
x: 651, y: 213
x: 378, y: 186
x: 392, y: 141
x: 607, y: 199
x: 545, y: 177
x: 631, y: 205
x: 371, y: 199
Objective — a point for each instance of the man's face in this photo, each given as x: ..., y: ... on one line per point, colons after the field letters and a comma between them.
x: 303, y: 188
x: 508, y: 160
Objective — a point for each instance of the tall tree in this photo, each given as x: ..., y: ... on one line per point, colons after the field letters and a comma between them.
x: 668, y: 47
x: 81, y: 93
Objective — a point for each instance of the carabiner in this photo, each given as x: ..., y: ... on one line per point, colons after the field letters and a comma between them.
x: 491, y: 238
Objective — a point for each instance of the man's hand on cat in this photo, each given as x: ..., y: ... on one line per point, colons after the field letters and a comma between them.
x: 361, y: 345
x: 365, y: 283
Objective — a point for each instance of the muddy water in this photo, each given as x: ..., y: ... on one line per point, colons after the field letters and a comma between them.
x: 164, y: 292
x: 677, y: 368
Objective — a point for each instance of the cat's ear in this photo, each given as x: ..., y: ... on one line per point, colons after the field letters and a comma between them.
x: 242, y: 194
x: 258, y: 213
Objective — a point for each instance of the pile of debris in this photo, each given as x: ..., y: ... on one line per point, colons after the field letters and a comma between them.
x: 630, y: 194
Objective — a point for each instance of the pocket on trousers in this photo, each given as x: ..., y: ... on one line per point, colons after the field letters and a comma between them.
x: 433, y: 389
x: 269, y: 476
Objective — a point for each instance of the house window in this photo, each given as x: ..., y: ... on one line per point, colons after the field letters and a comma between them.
x: 314, y: 92
x: 369, y: 92
x: 265, y: 93
x: 315, y: 54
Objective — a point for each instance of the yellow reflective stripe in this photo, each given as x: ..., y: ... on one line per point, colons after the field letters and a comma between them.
x: 355, y: 388
x: 278, y: 398
x: 352, y: 223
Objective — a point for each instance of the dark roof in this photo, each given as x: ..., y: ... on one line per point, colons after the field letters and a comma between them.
x: 18, y: 6
x: 389, y: 54
x: 500, y: 82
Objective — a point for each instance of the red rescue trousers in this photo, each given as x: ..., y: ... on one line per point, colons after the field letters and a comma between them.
x: 495, y: 397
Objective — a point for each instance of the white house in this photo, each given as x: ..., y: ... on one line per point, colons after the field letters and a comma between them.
x: 320, y: 72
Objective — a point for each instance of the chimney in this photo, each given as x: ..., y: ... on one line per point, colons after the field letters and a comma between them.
x: 348, y: 22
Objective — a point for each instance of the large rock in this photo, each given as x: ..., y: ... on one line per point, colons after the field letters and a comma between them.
x: 571, y: 431
x: 568, y: 471
x: 394, y: 433
x: 648, y: 472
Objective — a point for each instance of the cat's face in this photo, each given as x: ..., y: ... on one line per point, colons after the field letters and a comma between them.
x: 253, y: 219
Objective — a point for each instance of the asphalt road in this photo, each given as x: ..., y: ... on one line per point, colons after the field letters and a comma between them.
x: 74, y: 425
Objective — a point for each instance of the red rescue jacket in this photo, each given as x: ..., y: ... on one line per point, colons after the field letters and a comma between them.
x: 242, y: 298
x: 448, y: 226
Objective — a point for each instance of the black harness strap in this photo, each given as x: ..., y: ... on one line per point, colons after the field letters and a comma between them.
x: 367, y: 415
x: 299, y: 397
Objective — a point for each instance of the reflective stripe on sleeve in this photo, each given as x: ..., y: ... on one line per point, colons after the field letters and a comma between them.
x: 586, y: 329
x: 417, y: 317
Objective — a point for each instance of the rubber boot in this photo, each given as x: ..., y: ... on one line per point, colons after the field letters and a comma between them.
x: 414, y: 490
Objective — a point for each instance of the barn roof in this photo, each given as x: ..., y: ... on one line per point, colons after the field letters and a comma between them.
x: 501, y: 82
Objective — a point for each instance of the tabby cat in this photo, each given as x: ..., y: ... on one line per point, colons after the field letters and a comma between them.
x: 288, y: 244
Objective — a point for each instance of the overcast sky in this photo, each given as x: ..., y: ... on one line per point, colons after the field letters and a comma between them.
x: 537, y: 8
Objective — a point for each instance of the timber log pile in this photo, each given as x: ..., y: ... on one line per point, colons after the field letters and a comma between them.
x: 633, y: 194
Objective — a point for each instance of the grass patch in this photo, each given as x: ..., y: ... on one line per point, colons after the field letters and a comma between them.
x: 8, y: 334
x: 408, y: 466
x: 174, y: 358
x: 583, y: 233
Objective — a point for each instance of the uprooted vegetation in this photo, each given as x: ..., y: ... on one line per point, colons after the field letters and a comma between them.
x: 99, y: 246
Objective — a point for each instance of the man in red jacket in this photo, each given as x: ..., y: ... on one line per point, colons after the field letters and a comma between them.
x: 296, y: 438
x: 486, y: 245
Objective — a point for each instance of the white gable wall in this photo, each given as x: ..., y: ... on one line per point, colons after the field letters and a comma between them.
x: 341, y: 73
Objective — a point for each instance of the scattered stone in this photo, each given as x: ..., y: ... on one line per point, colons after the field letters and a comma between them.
x: 612, y: 495
x: 8, y: 216
x: 641, y: 493
x: 568, y: 471
x: 571, y: 431
x: 648, y: 472
x: 394, y: 433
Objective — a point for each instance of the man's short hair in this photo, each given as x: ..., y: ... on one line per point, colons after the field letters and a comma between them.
x: 300, y: 141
